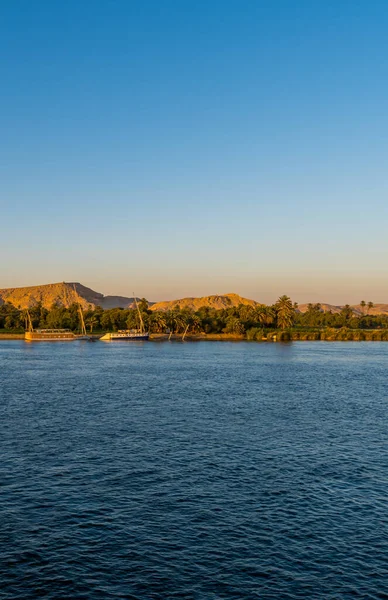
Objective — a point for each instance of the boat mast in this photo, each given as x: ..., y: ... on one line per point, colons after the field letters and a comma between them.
x: 81, y: 314
x: 29, y: 326
x: 142, y: 328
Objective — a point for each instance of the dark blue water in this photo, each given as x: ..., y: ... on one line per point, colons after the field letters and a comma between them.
x: 195, y: 471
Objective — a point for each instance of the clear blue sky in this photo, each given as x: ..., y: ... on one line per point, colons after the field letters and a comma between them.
x: 183, y: 148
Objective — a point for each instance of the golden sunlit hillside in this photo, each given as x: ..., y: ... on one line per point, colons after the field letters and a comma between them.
x: 217, y: 302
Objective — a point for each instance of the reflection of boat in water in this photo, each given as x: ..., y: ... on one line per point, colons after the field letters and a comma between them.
x: 129, y: 334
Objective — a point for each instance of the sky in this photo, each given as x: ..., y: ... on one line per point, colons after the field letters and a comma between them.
x: 183, y: 148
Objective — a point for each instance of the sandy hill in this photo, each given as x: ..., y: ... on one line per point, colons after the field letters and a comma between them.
x: 65, y: 294
x: 217, y: 302
x: 377, y: 309
x: 62, y: 294
x: 324, y: 307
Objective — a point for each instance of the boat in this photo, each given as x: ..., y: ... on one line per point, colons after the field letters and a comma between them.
x: 46, y: 335
x: 128, y: 334
x: 50, y: 335
x: 54, y: 335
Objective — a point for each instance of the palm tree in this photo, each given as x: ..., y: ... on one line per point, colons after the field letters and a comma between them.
x: 246, y: 312
x: 234, y: 325
x: 175, y: 320
x: 157, y: 322
x: 91, y: 322
x: 363, y: 305
x: 169, y: 316
x: 265, y: 315
x: 370, y: 305
x: 195, y: 323
x: 346, y: 314
x: 285, y: 312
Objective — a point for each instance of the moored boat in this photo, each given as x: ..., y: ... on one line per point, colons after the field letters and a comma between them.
x: 129, y: 334
x: 49, y: 335
x: 126, y: 334
x: 54, y: 335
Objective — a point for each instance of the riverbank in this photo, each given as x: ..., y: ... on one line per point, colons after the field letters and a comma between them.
x: 379, y: 335
x: 195, y: 337
x: 326, y: 335
x: 20, y: 336
x: 274, y: 336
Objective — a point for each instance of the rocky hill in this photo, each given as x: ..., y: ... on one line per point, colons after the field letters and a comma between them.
x: 217, y: 302
x: 61, y: 294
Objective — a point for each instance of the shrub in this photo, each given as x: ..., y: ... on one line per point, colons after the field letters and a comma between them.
x: 284, y: 336
x: 251, y: 333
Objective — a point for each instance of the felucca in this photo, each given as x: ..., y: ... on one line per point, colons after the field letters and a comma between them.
x: 128, y: 334
x: 54, y: 335
x: 46, y: 335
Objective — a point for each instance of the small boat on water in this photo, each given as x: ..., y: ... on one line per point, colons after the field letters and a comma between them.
x: 128, y: 334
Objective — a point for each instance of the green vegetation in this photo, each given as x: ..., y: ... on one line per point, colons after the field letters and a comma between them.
x: 281, y: 321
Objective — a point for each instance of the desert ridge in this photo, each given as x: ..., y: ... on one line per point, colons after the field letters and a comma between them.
x: 64, y: 294
x: 61, y: 294
x: 218, y: 302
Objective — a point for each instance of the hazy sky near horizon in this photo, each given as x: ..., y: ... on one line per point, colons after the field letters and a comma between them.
x: 184, y: 148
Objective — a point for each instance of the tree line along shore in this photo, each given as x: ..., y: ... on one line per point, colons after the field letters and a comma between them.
x: 281, y: 321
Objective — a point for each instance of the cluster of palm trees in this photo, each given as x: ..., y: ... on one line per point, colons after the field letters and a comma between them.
x: 173, y: 320
x: 368, y: 305
x: 237, y: 320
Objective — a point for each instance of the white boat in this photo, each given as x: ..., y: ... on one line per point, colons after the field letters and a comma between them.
x: 128, y: 334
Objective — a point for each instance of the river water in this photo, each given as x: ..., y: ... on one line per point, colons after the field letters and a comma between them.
x: 204, y: 470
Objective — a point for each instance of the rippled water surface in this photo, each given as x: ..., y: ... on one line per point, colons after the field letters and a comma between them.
x: 194, y: 470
